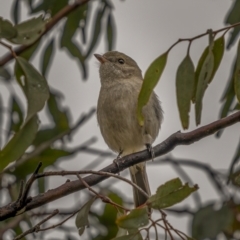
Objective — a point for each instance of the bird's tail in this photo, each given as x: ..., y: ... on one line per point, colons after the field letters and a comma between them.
x: 139, y: 177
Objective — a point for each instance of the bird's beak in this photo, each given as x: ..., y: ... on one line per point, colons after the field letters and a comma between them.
x: 100, y: 58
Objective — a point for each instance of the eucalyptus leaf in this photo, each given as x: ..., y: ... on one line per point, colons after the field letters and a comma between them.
x: 202, y: 83
x: 237, y: 74
x: 19, y: 143
x: 97, y: 28
x: 135, y: 219
x: 184, y: 88
x: 151, y: 79
x: 35, y: 88
x: 7, y: 30
x: 82, y: 216
x: 208, y: 223
x: 71, y: 26
x: 132, y: 236
x: 233, y: 16
x: 47, y: 57
x: 15, y: 11
x: 29, y: 31
x: 16, y: 110
x: 110, y: 31
x: 4, y: 73
x: 217, y: 50
x: 170, y: 193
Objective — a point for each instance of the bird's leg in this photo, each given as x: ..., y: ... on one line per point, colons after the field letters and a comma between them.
x: 151, y: 151
x: 118, y: 157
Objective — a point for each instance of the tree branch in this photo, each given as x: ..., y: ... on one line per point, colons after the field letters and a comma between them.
x: 54, y: 20
x: 166, y: 146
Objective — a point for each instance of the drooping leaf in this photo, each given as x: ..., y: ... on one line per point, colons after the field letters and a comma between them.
x: 29, y: 31
x: 110, y: 31
x: 16, y: 120
x: 71, y: 26
x: 233, y: 16
x: 48, y: 157
x: 235, y: 177
x: 59, y: 115
x: 202, y: 83
x: 237, y: 74
x: 7, y: 30
x: 51, y: 7
x: 97, y: 28
x: 170, y: 193
x: 109, y: 215
x: 151, y: 79
x: 35, y: 88
x: 47, y: 57
x: 184, y: 87
x: 132, y: 236
x: 82, y: 216
x: 15, y: 11
x: 217, y: 51
x: 19, y: 143
x: 4, y: 73
x: 135, y: 219
x: 208, y: 222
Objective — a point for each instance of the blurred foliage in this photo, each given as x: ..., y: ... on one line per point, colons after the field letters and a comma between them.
x: 26, y: 140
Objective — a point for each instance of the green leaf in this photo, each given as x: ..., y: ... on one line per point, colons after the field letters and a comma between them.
x: 184, y: 87
x: 110, y: 31
x: 15, y: 11
x: 151, y: 79
x: 29, y: 31
x: 132, y: 236
x: 208, y: 222
x: 7, y: 30
x: 135, y: 219
x: 16, y: 111
x: 233, y: 17
x: 51, y: 7
x: 204, y: 77
x: 235, y: 177
x: 97, y: 23
x: 82, y: 216
x: 35, y: 88
x: 47, y: 57
x: 48, y: 157
x: 4, y: 73
x: 70, y: 28
x: 237, y: 74
x: 18, y: 144
x: 170, y: 193
x: 218, y: 51
x: 59, y: 115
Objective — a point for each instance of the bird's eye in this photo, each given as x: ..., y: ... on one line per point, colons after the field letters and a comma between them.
x: 121, y: 61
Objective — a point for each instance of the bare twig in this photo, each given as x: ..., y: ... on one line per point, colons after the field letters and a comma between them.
x: 169, y: 144
x: 102, y: 197
x: 36, y: 228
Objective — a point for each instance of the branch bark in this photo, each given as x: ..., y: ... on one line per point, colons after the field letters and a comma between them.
x: 166, y: 146
x: 55, y: 19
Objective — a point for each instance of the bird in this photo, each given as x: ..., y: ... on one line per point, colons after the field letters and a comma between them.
x: 121, y: 81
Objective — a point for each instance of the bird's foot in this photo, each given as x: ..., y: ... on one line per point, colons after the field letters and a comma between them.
x: 151, y: 151
x: 116, y: 161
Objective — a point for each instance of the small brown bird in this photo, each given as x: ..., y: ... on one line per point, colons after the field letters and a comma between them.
x: 121, y: 81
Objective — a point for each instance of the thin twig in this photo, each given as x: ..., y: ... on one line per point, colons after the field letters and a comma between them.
x: 36, y: 228
x: 64, y: 173
x: 168, y: 145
